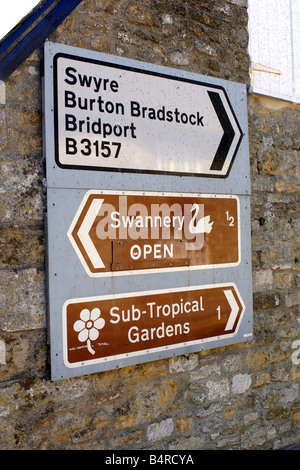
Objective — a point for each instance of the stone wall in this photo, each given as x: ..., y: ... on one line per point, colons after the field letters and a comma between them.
x: 238, y: 397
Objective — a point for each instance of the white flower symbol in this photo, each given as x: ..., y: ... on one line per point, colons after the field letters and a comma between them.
x: 88, y: 326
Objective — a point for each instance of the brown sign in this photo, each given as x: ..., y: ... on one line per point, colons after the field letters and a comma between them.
x: 113, y: 328
x: 122, y: 231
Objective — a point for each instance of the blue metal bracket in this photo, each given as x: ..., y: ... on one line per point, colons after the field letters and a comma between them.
x: 32, y: 31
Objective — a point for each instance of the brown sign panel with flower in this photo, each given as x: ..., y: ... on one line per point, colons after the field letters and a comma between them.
x: 102, y: 329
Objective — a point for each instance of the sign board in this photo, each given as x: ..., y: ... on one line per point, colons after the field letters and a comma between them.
x: 99, y: 330
x: 117, y: 123
x: 122, y: 231
x: 148, y: 206
x: 105, y: 113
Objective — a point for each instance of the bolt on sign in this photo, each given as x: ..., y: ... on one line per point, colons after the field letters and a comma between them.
x: 99, y: 330
x: 122, y: 231
x: 106, y: 112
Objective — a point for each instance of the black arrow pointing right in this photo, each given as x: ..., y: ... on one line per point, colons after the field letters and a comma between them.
x: 228, y: 135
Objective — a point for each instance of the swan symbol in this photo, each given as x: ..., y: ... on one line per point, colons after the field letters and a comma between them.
x: 203, y: 225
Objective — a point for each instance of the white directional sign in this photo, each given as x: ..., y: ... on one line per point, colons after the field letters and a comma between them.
x: 114, y: 117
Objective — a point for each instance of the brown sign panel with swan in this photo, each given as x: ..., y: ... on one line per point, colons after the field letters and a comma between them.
x: 118, y: 232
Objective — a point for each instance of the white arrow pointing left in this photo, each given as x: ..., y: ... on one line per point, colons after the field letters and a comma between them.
x: 84, y: 237
x: 83, y: 233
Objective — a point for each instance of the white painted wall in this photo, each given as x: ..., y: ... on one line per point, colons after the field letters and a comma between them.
x: 274, y: 45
